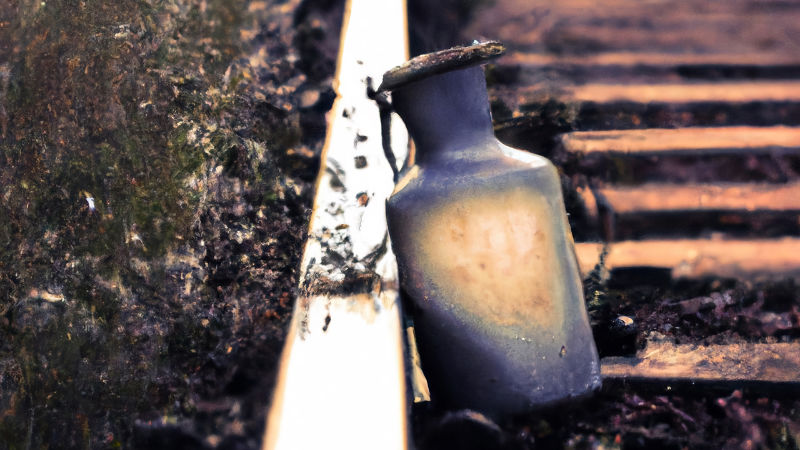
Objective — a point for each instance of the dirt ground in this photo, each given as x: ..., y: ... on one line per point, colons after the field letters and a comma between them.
x: 157, y: 161
x: 655, y: 415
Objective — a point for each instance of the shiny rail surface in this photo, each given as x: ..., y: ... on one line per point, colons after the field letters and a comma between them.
x: 342, y: 378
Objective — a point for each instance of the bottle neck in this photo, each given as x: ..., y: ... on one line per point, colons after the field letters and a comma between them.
x: 447, y: 115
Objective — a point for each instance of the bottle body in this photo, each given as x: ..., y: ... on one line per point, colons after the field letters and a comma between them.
x: 487, y: 262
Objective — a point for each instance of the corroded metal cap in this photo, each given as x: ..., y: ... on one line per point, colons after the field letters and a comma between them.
x: 442, y: 61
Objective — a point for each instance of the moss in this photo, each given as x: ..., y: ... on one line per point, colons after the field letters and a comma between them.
x: 112, y: 100
x: 147, y: 226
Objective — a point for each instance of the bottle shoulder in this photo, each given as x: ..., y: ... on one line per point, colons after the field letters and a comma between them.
x: 507, y: 167
x: 525, y: 159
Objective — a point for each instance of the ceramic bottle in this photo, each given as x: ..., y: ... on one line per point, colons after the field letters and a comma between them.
x: 485, y: 252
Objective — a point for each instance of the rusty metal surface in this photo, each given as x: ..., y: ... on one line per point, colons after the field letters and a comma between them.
x: 442, y: 61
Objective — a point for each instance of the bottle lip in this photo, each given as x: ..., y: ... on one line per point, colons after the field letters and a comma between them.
x: 430, y: 64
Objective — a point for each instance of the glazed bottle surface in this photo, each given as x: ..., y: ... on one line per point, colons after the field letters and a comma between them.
x: 486, y: 257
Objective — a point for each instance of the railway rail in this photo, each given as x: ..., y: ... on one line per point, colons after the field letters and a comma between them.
x: 678, y: 139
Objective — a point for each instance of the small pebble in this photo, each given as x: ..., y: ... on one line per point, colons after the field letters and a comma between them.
x: 309, y: 98
x: 624, y: 325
